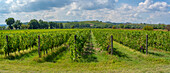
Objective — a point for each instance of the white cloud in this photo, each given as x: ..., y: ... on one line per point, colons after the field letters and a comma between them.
x: 146, y: 3
x: 160, y: 6
x: 94, y: 4
x: 148, y: 6
x: 105, y: 10
x: 8, y: 1
x: 37, y: 5
x: 126, y: 7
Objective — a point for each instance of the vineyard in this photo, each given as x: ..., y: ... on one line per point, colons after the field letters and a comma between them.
x: 84, y: 50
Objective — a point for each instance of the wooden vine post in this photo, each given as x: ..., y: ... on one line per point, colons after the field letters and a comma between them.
x: 7, y: 45
x: 75, y: 46
x: 39, y: 53
x: 146, y: 44
x: 111, y: 44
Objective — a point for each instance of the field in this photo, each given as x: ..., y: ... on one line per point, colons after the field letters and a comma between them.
x: 84, y: 50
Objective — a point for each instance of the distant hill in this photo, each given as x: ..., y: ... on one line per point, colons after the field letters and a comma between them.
x: 63, y: 21
x: 55, y: 22
x: 88, y: 24
x: 3, y: 25
x: 113, y: 23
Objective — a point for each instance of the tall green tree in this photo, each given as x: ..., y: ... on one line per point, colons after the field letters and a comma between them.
x: 9, y: 22
x: 121, y: 25
x: 43, y: 24
x: 60, y: 25
x: 52, y: 25
x: 34, y: 24
x: 17, y: 24
x: 57, y: 25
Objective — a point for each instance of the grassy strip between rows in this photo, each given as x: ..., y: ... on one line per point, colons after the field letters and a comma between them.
x: 19, y: 55
x: 53, y: 55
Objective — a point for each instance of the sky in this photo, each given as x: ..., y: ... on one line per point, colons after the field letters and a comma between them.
x: 134, y: 11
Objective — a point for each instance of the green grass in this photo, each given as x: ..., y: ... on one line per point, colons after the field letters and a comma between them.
x: 124, y: 60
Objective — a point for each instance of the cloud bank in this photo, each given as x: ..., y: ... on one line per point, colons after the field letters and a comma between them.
x: 105, y: 10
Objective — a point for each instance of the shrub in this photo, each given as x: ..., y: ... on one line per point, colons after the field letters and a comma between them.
x: 168, y: 27
x: 1, y: 52
x: 113, y: 27
x: 72, y: 27
x: 148, y: 28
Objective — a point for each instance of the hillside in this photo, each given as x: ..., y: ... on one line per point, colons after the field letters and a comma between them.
x: 88, y: 24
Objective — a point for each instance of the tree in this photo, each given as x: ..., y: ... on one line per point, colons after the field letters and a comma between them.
x: 24, y: 26
x: 34, y: 24
x: 72, y: 27
x: 17, y: 24
x: 121, y: 25
x: 43, y: 24
x: 127, y: 26
x: 60, y: 25
x: 57, y: 25
x: 113, y: 27
x: 168, y: 27
x: 9, y: 22
x: 52, y: 25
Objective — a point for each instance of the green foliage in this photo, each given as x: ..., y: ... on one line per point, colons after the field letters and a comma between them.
x: 9, y: 22
x: 60, y: 25
x: 127, y: 26
x: 17, y: 24
x: 34, y: 24
x: 72, y: 27
x: 148, y: 28
x: 137, y: 26
x: 133, y: 39
x: 113, y: 27
x: 168, y: 27
x: 2, y: 27
x: 26, y: 40
x: 76, y: 46
x: 125, y: 58
x: 39, y: 60
x: 51, y: 40
x: 88, y: 24
x: 54, y: 25
x: 23, y: 26
x: 55, y: 54
x: 43, y: 24
x: 19, y: 42
x: 104, y: 40
x: 121, y: 25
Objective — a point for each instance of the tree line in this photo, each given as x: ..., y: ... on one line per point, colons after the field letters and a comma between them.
x: 40, y: 24
x: 33, y: 24
x: 140, y: 26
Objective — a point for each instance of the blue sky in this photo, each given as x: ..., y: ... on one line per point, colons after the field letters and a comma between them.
x: 135, y: 11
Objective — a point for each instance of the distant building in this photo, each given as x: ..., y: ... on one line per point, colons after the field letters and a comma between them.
x: 91, y: 24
